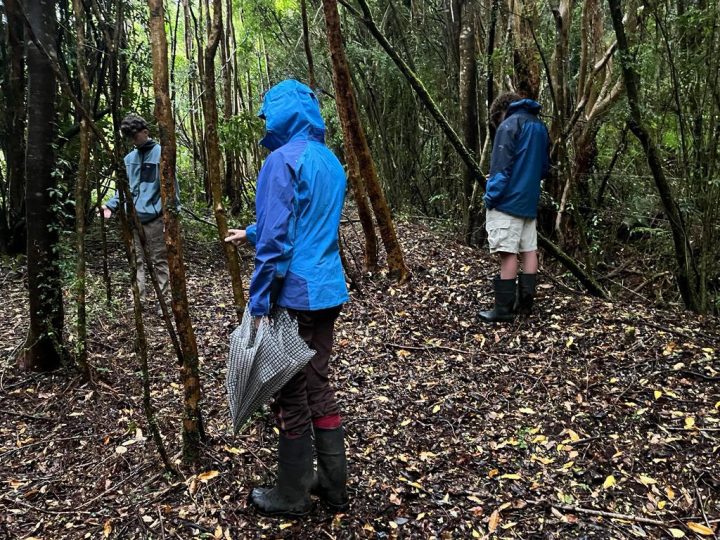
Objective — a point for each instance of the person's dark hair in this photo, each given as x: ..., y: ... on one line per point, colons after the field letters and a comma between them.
x: 132, y: 124
x: 500, y: 106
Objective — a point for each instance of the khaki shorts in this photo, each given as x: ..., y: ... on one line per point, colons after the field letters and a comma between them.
x: 510, y: 234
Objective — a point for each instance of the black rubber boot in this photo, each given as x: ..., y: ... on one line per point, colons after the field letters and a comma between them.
x: 504, y: 301
x: 331, y: 479
x: 290, y: 496
x: 527, y: 284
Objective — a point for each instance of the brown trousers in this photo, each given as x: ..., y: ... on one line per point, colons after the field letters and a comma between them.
x: 309, y: 396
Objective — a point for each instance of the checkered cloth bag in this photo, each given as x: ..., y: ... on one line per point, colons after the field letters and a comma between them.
x: 262, y: 361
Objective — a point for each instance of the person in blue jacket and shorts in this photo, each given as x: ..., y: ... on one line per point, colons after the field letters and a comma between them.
x: 299, y: 200
x: 518, y: 164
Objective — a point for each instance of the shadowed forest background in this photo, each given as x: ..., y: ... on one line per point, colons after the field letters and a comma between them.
x: 595, y: 418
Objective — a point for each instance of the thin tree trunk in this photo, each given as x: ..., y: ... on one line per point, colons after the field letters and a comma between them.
x: 468, y: 106
x: 213, y: 152
x: 81, y: 193
x: 141, y: 342
x: 13, y: 86
x: 686, y: 271
x: 306, y: 44
x: 355, y: 139
x: 192, y: 421
x: 43, y: 349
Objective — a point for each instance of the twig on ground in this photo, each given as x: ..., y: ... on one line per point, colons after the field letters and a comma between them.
x: 426, y: 348
x: 602, y: 513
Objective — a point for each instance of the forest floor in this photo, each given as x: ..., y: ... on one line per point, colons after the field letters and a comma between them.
x: 540, y: 428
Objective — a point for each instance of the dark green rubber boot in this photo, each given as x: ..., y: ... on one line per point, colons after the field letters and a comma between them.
x: 527, y: 284
x: 504, y: 301
x: 290, y: 497
x: 330, y: 484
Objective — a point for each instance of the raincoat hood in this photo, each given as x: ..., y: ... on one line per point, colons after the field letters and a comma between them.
x: 291, y: 111
x: 528, y: 105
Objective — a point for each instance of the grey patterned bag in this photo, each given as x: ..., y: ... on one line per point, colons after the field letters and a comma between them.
x: 262, y: 361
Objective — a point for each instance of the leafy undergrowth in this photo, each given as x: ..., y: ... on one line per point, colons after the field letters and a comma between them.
x: 455, y: 429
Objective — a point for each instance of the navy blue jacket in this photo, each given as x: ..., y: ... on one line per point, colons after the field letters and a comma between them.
x: 299, y: 200
x: 519, y: 161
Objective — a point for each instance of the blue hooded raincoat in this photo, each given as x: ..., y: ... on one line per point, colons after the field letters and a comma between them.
x: 519, y: 161
x: 299, y: 200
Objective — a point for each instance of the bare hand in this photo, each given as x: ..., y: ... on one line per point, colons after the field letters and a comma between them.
x: 106, y: 212
x: 236, y: 236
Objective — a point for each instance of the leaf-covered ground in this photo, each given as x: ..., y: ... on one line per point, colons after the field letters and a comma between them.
x: 455, y: 429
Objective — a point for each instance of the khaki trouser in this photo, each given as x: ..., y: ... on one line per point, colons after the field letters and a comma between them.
x: 158, y: 255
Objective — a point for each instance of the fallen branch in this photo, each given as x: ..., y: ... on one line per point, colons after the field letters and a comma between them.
x: 426, y: 348
x: 601, y: 513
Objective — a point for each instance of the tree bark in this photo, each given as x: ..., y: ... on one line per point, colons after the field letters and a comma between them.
x: 13, y: 86
x: 192, y: 421
x: 213, y: 152
x: 43, y: 349
x: 81, y: 193
x: 468, y: 92
x: 357, y: 143
x: 306, y: 44
x: 686, y: 270
x: 525, y: 57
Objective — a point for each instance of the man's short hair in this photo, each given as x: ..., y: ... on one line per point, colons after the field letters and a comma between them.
x: 132, y: 124
x: 500, y: 106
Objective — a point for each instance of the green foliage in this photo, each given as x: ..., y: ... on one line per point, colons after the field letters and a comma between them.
x: 240, y: 131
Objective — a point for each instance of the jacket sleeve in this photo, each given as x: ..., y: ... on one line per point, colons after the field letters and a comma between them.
x: 274, y: 202
x: 501, y: 163
x: 113, y: 203
x: 251, y: 232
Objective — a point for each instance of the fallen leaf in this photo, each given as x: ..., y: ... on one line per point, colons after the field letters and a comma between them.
x: 511, y: 476
x: 609, y: 482
x: 207, y: 476
x: 494, y: 521
x: 677, y: 533
x: 646, y: 480
x: 107, y: 528
x: 700, y: 529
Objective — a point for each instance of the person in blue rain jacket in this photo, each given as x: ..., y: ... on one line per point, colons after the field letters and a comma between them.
x: 299, y: 200
x: 518, y: 163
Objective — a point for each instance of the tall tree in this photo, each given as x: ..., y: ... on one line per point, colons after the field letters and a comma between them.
x: 43, y: 349
x: 686, y: 272
x: 306, y: 44
x: 468, y: 92
x: 192, y: 421
x: 13, y: 229
x: 357, y: 143
x: 209, y: 102
x: 81, y: 191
